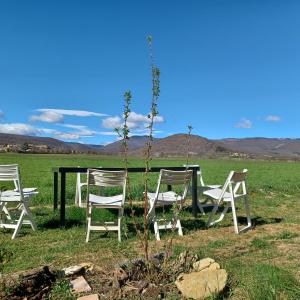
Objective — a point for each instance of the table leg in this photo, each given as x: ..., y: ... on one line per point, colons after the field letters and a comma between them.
x: 62, y: 198
x: 194, y: 194
x: 55, y: 190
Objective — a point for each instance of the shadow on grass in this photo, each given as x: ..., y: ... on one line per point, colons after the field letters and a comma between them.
x: 55, y: 223
x: 256, y: 221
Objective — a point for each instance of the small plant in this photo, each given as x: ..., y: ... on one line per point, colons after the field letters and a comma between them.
x: 259, y: 244
x: 123, y: 134
x: 286, y: 235
x: 61, y: 291
x: 155, y: 72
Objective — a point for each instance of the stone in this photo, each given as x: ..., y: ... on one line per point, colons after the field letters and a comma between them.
x: 80, y: 285
x: 73, y: 270
x: 81, y: 268
x: 214, y: 266
x: 200, y: 285
x: 206, y: 263
x: 89, y: 297
x: 87, y: 266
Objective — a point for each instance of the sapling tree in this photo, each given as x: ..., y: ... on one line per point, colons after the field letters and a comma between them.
x: 124, y: 134
x: 155, y: 73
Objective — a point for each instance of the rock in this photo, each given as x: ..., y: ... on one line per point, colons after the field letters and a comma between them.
x: 81, y: 268
x: 206, y: 263
x: 87, y: 266
x: 73, y: 270
x: 89, y: 297
x: 80, y: 285
x: 199, y: 285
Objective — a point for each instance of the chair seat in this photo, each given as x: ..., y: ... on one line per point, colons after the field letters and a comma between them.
x: 212, y: 186
x: 27, y: 190
x: 165, y: 198
x: 13, y: 196
x: 216, y: 193
x: 96, y: 200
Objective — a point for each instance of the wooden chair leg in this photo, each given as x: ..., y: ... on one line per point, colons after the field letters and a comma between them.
x: 156, y: 230
x: 19, y: 224
x: 89, y: 223
x: 223, y: 214
x: 235, y: 221
x: 119, y: 225
x: 211, y: 215
x: 247, y: 208
x: 200, y: 207
x: 5, y: 210
x: 178, y: 225
x: 29, y: 215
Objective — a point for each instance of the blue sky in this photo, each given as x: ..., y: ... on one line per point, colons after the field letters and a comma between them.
x: 228, y: 68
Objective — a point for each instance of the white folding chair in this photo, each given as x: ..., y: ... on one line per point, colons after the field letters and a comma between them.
x: 103, y: 178
x: 233, y: 190
x: 19, y: 196
x: 169, y: 178
x: 78, y: 192
x: 202, y: 188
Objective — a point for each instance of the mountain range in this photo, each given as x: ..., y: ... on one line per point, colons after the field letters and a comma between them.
x: 171, y: 146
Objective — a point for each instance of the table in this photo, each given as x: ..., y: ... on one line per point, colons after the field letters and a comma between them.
x: 63, y: 171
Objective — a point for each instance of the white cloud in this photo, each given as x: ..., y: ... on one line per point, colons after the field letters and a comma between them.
x: 112, y: 122
x: 79, y: 127
x: 72, y: 112
x: 79, y: 132
x: 273, y: 118
x: 107, y: 133
x: 1, y: 114
x: 19, y: 128
x: 67, y: 136
x: 244, y: 123
x: 48, y: 117
x: 135, y: 121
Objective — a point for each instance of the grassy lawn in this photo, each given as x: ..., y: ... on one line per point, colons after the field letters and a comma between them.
x: 262, y: 263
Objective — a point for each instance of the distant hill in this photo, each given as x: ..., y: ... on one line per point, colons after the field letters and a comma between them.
x: 176, y: 145
x: 265, y: 147
x: 32, y: 144
x: 133, y: 143
x: 171, y: 146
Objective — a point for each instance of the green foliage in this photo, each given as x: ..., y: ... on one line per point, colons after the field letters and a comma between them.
x: 286, y: 235
x: 5, y: 256
x: 61, y: 291
x: 270, y: 283
x: 259, y: 243
x: 218, y: 244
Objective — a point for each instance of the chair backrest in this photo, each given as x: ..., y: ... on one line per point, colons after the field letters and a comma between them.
x: 175, y: 178
x: 199, y: 173
x: 235, y: 182
x: 105, y: 178
x: 12, y: 173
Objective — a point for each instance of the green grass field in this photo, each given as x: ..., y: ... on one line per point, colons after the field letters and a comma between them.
x: 262, y: 263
